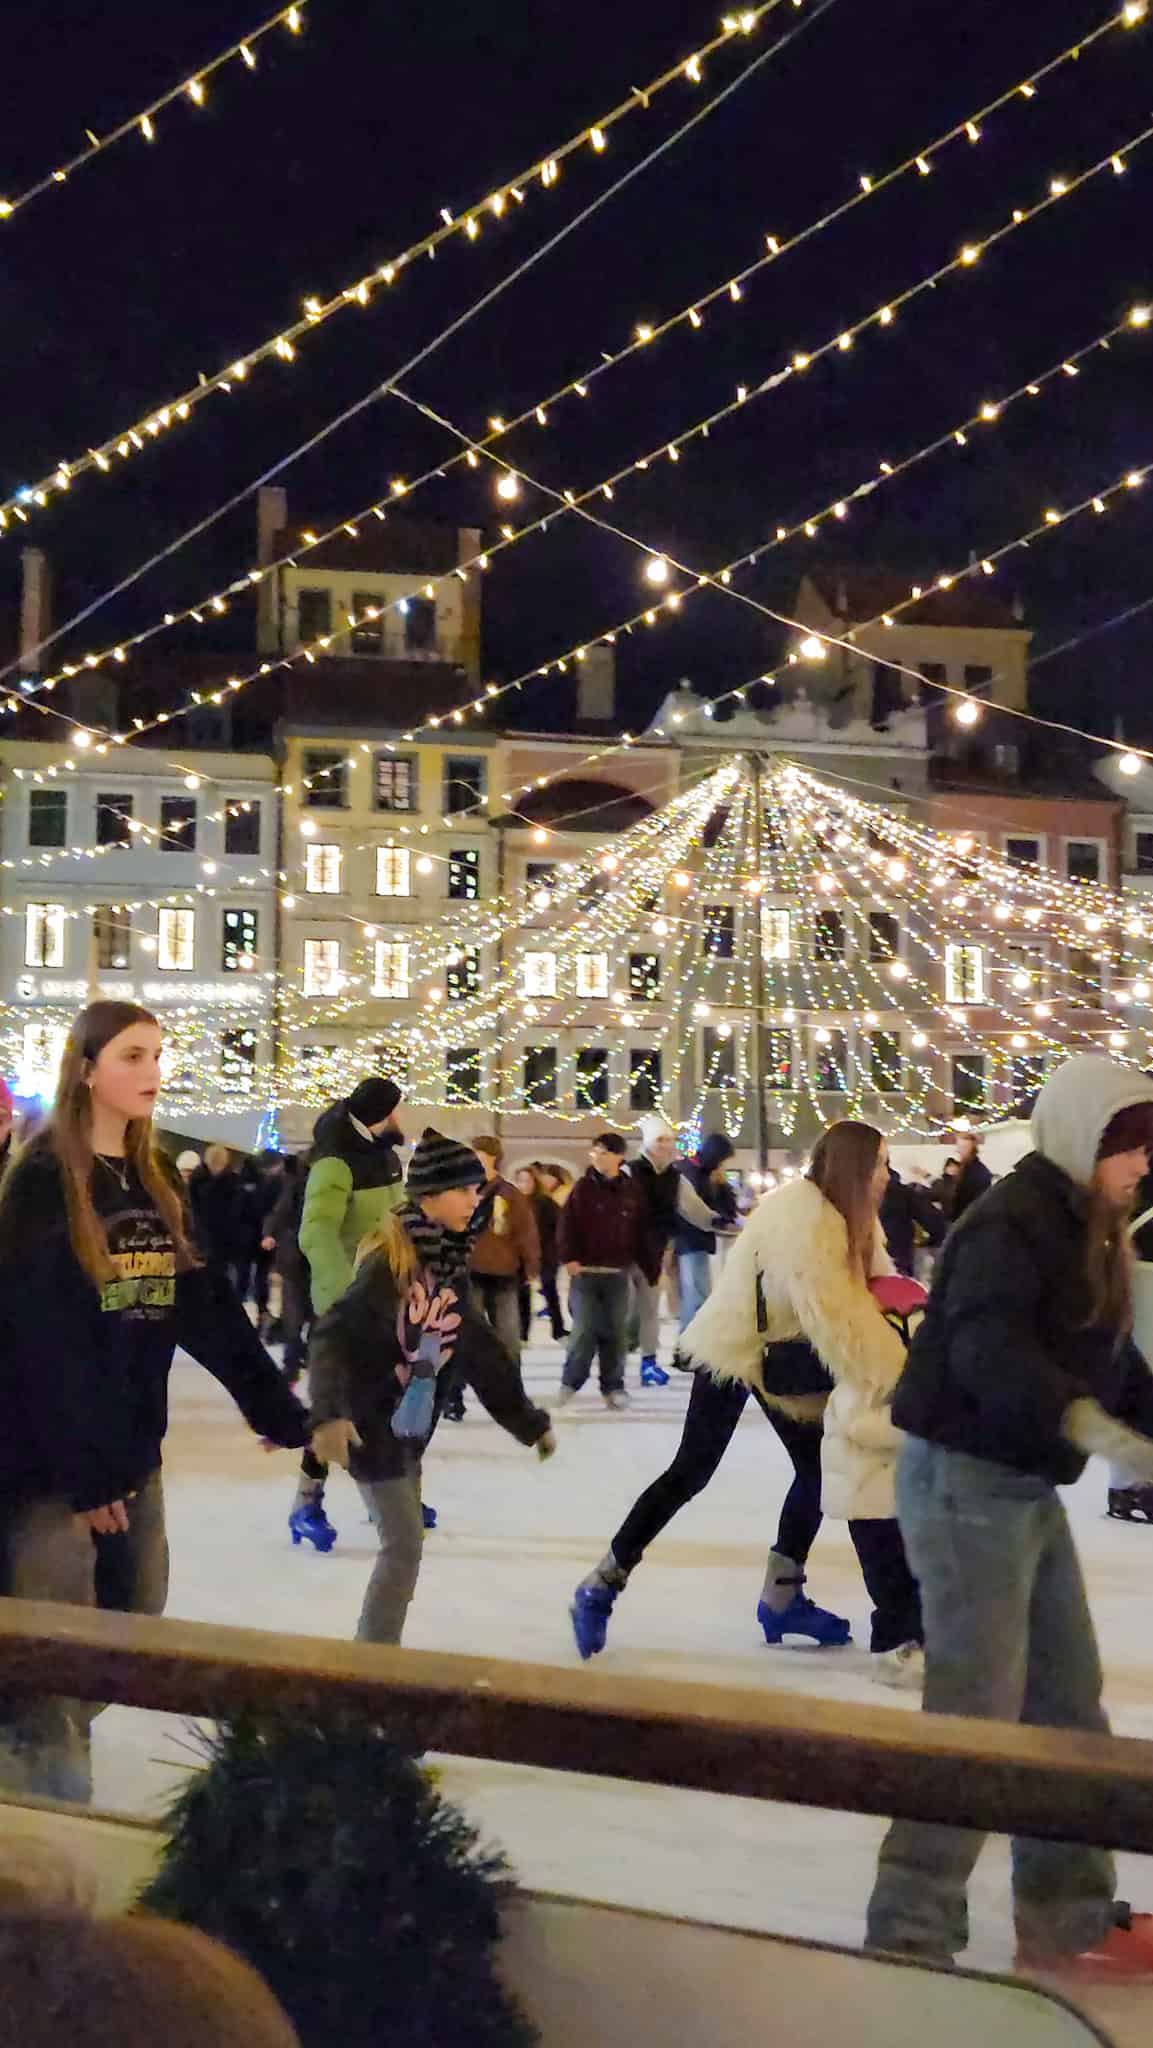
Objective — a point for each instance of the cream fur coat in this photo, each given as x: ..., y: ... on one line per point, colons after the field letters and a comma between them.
x: 797, y: 1243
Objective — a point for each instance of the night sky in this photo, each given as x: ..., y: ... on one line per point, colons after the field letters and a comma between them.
x: 156, y: 263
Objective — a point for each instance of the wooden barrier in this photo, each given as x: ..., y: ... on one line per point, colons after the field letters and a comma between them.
x: 989, y: 1775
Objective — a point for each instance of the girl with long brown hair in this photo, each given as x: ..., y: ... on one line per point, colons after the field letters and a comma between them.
x: 99, y: 1283
x: 792, y: 1321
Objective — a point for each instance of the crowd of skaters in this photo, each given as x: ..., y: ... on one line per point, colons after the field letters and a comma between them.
x: 938, y: 1427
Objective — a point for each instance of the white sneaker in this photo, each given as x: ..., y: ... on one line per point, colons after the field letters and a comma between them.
x: 617, y: 1401
x: 903, y: 1669
x: 564, y: 1396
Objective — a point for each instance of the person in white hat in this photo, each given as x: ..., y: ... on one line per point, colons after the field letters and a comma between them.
x: 657, y: 1177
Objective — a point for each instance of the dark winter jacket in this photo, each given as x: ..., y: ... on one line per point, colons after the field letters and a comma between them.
x: 219, y: 1221
x: 906, y: 1209
x: 973, y: 1181
x: 658, y: 1193
x: 601, y: 1224
x: 378, y: 1326
x: 716, y: 1195
x: 546, y: 1215
x: 84, y: 1370
x: 353, y: 1182
x: 1005, y: 1347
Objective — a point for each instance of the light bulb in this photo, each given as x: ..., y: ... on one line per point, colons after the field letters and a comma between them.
x: 541, y: 899
x: 896, y: 871
x: 680, y: 880
x: 920, y: 1040
x: 660, y: 927
x: 1129, y: 764
x: 288, y: 903
x: 898, y: 971
x: 1118, y: 1040
x: 823, y: 1037
x: 968, y: 713
x: 508, y: 486
x: 724, y: 1030
x: 788, y: 1016
x: 1141, y: 991
x: 964, y: 843
x: 1022, y: 983
x: 82, y: 739
x: 700, y: 1010
x: 657, y: 570
x: 540, y: 836
x: 1041, y: 1011
x: 1018, y: 1041
x: 308, y: 828
x: 424, y: 865
x: 812, y: 648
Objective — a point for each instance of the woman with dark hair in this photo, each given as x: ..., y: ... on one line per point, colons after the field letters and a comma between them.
x: 548, y: 1181
x: 99, y: 1282
x: 793, y: 1322
x: 1022, y: 1367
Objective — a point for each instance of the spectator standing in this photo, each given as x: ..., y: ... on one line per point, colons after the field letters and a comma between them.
x: 657, y: 1177
x: 217, y: 1202
x: 601, y: 1239
x: 282, y: 1243
x: 507, y: 1251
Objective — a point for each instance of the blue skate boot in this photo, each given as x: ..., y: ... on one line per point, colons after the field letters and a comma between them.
x: 653, y: 1374
x: 428, y: 1515
x: 593, y: 1602
x: 309, y: 1523
x: 784, y: 1609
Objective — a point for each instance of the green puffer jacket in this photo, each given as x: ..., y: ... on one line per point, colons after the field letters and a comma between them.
x: 353, y: 1183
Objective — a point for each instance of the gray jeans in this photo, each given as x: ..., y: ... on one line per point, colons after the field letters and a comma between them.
x: 498, y: 1302
x: 599, y: 1313
x: 394, y: 1505
x: 646, y: 1318
x: 1008, y: 1636
x: 45, y: 1744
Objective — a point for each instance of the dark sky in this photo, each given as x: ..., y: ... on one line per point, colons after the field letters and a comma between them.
x: 155, y: 263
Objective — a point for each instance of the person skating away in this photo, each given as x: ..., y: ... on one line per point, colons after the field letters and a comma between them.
x: 505, y: 1251
x: 974, y: 1178
x: 791, y: 1321
x: 99, y: 1283
x: 385, y: 1357
x: 354, y: 1182
x: 656, y: 1174
x: 601, y: 1239
x: 1022, y: 1367
x: 695, y: 1240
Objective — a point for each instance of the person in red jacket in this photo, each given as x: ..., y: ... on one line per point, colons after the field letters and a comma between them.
x: 601, y: 1238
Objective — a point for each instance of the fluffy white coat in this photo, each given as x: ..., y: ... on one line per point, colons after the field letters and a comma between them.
x: 798, y: 1244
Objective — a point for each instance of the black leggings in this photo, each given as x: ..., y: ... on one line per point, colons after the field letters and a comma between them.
x: 893, y: 1590
x: 713, y: 1414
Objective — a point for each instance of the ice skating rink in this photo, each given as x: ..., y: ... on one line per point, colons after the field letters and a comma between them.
x: 514, y: 1538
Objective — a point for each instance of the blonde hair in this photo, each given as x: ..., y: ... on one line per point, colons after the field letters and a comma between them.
x: 217, y: 1158
x: 68, y: 1137
x: 390, y: 1240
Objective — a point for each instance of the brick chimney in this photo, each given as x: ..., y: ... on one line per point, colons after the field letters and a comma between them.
x: 271, y: 519
x: 35, y: 609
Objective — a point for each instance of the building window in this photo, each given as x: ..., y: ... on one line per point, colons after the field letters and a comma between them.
x: 178, y: 824
x: 241, y: 826
x: 646, y: 1080
x: 393, y: 871
x: 323, y: 870
x: 776, y: 934
x: 44, y: 935
x: 1024, y: 852
x: 592, y: 1077
x: 112, y: 816
x: 884, y: 935
x: 313, y: 615
x: 1143, y: 853
x: 112, y: 935
x: 886, y: 1067
x: 829, y: 935
x: 42, y: 1049
x: 464, y: 874
x: 176, y: 940
x: 48, y: 817
x: 540, y: 1083
x: 1083, y: 860
x: 462, y: 1074
x: 538, y: 974
x: 238, y: 1061
x: 367, y: 636
x: 325, y: 784
x: 968, y: 1082
x: 1007, y: 760
x: 718, y: 1056
x: 540, y: 874
x: 1086, y: 972
x: 779, y: 1060
x: 933, y: 672
x: 644, y: 977
x: 465, y: 782
x: 964, y: 974
x: 719, y: 932
x: 978, y: 678
x: 830, y: 1061
x: 392, y: 969
x: 462, y: 975
x: 419, y: 625
x: 592, y: 976
x: 238, y: 950
x: 1024, y: 967
x: 321, y: 967
x: 395, y: 782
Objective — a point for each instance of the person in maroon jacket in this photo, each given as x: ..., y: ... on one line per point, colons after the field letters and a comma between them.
x: 601, y: 1237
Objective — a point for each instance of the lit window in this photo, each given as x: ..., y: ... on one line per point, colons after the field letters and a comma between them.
x: 462, y: 975
x: 885, y: 1064
x: 238, y: 951
x: 644, y: 977
x: 321, y: 967
x: 44, y: 935
x: 540, y: 1077
x: 112, y: 934
x: 964, y: 974
x: 592, y: 975
x: 776, y: 934
x: 396, y: 784
x: 322, y: 870
x: 393, y: 871
x: 176, y: 940
x: 392, y: 970
x: 539, y: 974
x: 238, y: 1062
x: 41, y: 1054
x: 464, y: 874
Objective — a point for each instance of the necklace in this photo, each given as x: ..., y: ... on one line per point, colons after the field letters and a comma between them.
x: 117, y: 1168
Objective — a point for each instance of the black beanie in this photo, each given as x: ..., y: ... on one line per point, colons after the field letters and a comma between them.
x: 439, y: 1163
x: 374, y: 1100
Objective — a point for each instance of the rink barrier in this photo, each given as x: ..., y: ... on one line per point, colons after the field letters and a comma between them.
x: 786, y: 1747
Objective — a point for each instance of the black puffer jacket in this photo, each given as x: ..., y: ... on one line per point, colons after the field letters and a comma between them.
x: 716, y: 1195
x: 1006, y: 1343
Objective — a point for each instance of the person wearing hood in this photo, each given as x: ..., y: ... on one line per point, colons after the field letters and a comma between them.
x: 695, y: 1237
x: 353, y: 1183
x: 1022, y: 1368
x: 656, y: 1175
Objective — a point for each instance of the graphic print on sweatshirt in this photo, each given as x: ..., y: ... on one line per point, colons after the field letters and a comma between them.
x: 144, y: 1289
x: 427, y: 1323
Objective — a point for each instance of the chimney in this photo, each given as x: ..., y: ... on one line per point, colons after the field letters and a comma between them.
x: 271, y: 519
x: 35, y: 608
x: 597, y: 685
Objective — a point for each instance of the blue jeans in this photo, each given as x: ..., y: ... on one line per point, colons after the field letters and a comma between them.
x: 599, y: 1314
x: 695, y: 1280
x: 1008, y: 1637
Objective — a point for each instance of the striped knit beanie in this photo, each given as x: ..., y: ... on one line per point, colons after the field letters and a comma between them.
x: 439, y: 1163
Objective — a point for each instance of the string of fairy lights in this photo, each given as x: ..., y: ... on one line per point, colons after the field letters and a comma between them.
x: 728, y: 293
